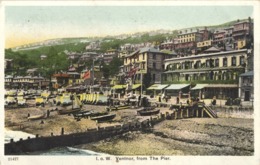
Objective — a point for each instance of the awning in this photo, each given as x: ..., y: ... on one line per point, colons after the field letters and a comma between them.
x: 221, y: 86
x: 199, y: 86
x: 250, y: 73
x: 177, y: 86
x: 160, y: 87
x: 119, y: 87
x: 154, y: 86
x: 136, y: 86
x: 157, y: 86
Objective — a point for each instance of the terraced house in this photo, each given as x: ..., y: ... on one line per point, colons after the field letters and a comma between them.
x: 213, y: 74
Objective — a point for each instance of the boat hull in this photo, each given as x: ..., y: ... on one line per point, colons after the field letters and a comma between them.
x: 148, y: 112
x: 82, y: 114
x: 64, y: 112
x: 104, y: 117
x: 37, y: 117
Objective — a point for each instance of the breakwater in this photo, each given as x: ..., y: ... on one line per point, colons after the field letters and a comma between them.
x: 90, y: 135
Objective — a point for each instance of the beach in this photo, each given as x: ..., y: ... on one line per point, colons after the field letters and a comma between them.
x: 197, y: 136
x: 225, y: 135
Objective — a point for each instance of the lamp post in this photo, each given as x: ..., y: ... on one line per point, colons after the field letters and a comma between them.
x: 93, y: 80
x: 141, y: 84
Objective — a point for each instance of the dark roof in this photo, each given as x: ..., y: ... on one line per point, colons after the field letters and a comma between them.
x: 73, y: 73
x: 149, y: 49
x: 168, y: 52
x: 250, y: 73
x: 143, y: 50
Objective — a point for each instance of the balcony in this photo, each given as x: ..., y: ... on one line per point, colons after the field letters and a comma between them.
x: 140, y: 61
x: 205, y: 69
x: 202, y: 82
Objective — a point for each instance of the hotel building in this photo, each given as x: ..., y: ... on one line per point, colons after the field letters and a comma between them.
x: 217, y: 74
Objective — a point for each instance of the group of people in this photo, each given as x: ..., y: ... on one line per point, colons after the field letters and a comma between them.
x: 163, y: 97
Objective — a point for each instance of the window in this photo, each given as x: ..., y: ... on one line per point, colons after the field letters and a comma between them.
x: 234, y: 61
x: 198, y: 63
x: 163, y: 57
x: 183, y: 65
x: 207, y: 63
x: 143, y: 56
x: 153, y: 77
x: 224, y: 62
x: 154, y: 56
x: 242, y: 60
x: 217, y: 63
x: 165, y: 77
x: 154, y: 65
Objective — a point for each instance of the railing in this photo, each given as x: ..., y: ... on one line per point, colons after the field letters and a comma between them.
x: 247, y: 84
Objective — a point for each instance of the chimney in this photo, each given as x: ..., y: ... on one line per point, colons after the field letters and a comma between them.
x: 190, y: 30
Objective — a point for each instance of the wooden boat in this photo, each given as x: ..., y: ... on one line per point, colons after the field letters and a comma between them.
x: 147, y: 112
x: 106, y: 117
x: 118, y: 107
x: 76, y: 107
x: 82, y: 114
x: 36, y: 117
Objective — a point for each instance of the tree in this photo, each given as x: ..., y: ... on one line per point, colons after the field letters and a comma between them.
x: 21, y: 62
x: 114, y: 66
x: 105, y: 70
x: 54, y: 62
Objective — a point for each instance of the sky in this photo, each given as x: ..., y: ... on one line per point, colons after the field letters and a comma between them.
x: 27, y: 24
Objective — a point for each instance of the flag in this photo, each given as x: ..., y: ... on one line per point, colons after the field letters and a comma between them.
x: 86, y: 75
x: 133, y: 71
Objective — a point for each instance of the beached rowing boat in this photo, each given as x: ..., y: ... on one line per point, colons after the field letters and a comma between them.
x: 82, y: 114
x: 148, y: 112
x: 118, y: 107
x: 106, y: 117
x: 36, y: 117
